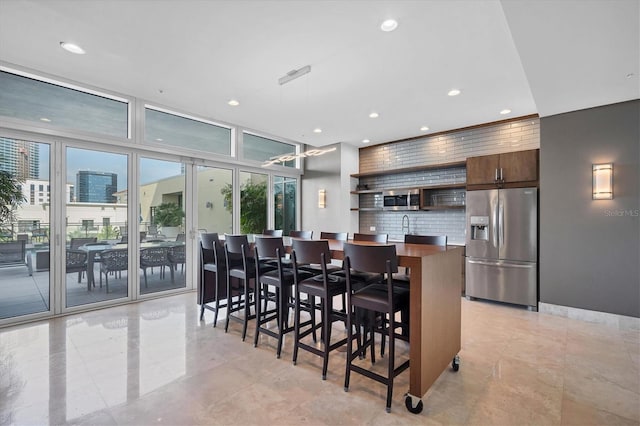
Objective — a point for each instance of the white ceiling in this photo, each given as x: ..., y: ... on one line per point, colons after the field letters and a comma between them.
x: 530, y: 56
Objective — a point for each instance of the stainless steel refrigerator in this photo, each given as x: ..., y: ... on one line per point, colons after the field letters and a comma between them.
x: 502, y: 245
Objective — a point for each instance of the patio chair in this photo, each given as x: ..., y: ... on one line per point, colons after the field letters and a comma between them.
x: 176, y: 256
x: 151, y: 257
x: 76, y: 262
x: 113, y: 261
x: 13, y: 253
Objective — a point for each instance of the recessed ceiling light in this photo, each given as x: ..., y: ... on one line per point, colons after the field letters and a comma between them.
x: 365, y: 141
x: 45, y: 119
x: 629, y: 75
x: 374, y: 115
x: 505, y: 111
x: 73, y: 48
x: 453, y: 92
x: 233, y: 102
x: 424, y: 128
x: 317, y: 130
x: 389, y: 25
x: 159, y: 139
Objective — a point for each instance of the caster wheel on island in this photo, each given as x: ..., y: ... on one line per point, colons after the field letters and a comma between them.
x: 408, y: 402
x: 455, y: 364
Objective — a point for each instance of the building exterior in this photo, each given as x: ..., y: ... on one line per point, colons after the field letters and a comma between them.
x: 96, y: 187
x: 20, y: 158
x: 37, y: 192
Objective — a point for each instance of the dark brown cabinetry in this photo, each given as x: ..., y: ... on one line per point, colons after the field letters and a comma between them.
x: 507, y: 170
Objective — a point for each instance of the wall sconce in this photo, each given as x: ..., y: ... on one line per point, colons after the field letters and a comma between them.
x: 322, y: 199
x: 603, y: 181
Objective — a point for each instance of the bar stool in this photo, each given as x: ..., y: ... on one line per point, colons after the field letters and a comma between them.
x: 380, y: 297
x: 271, y: 249
x: 361, y: 276
x: 241, y: 274
x: 436, y: 240
x: 361, y: 279
x: 403, y: 279
x: 323, y: 286
x: 212, y: 262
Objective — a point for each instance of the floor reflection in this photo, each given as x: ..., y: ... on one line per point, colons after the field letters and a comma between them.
x: 154, y: 362
x: 66, y: 368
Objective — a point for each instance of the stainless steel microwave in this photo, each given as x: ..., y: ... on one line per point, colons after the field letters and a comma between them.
x: 406, y: 199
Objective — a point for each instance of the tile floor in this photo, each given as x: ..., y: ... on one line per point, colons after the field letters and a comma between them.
x: 155, y: 363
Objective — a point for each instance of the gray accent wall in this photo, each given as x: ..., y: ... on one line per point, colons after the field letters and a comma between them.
x: 590, y: 249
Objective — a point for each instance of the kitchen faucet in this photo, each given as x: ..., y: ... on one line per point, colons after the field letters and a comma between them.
x: 403, y: 225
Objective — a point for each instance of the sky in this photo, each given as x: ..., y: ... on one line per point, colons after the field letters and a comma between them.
x: 83, y: 159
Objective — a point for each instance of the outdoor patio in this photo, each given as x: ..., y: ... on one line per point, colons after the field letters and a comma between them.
x: 21, y: 294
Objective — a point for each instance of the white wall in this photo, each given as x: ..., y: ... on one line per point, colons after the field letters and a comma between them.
x: 330, y: 172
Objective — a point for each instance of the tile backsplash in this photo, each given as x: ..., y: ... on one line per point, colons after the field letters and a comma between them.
x: 517, y: 135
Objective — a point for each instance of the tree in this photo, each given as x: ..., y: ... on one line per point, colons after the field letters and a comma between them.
x: 168, y: 214
x: 253, y: 206
x: 10, y: 198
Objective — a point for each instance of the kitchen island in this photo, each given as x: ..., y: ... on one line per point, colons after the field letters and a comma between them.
x: 435, y: 311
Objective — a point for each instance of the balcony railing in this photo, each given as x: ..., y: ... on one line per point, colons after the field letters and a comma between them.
x: 40, y: 234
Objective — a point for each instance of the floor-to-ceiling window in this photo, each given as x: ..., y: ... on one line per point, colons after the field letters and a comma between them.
x: 272, y: 154
x: 81, y: 225
x: 24, y: 228
x: 162, y: 214
x: 253, y: 202
x: 215, y: 211
x: 284, y: 203
x: 96, y: 228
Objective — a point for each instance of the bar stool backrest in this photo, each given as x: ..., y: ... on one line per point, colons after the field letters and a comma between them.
x: 376, y: 238
x: 237, y: 250
x: 435, y: 240
x: 234, y: 244
x: 311, y: 251
x: 340, y: 236
x: 208, y: 240
x: 269, y: 246
x: 307, y: 235
x: 371, y: 258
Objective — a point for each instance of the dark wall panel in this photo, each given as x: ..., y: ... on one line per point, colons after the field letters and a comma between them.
x: 590, y: 249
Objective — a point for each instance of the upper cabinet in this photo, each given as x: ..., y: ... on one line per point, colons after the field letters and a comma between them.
x: 507, y: 170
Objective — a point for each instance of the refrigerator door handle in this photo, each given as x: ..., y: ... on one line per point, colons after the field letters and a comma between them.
x: 501, y: 222
x: 497, y: 179
x: 494, y: 224
x: 501, y: 264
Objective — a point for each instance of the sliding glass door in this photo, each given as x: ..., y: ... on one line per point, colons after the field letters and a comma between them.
x: 162, y: 234
x: 284, y: 203
x: 96, y: 209
x: 253, y: 202
x: 25, y: 227
x: 215, y: 205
